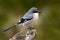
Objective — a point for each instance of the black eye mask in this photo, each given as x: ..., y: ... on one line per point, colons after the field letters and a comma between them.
x: 35, y: 11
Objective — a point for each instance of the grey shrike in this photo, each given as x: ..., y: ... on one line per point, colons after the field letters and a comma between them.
x: 28, y: 19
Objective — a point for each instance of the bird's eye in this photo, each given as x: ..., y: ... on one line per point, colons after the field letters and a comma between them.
x: 35, y: 11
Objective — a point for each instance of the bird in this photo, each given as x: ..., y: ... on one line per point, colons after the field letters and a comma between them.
x: 30, y: 17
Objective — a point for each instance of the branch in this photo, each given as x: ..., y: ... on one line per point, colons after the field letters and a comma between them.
x: 30, y: 35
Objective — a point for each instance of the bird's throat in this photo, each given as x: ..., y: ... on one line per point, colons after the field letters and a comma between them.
x: 36, y: 15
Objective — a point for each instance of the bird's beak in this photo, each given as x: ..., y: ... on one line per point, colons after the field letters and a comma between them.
x: 39, y: 11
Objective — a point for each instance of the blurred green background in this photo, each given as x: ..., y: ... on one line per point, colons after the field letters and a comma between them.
x: 49, y: 22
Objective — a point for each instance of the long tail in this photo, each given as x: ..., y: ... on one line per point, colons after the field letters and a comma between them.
x: 11, y: 27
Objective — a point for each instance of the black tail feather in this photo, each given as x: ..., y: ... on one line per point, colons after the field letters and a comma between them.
x: 9, y: 28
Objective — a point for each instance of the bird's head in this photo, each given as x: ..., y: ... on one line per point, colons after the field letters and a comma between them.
x: 34, y: 10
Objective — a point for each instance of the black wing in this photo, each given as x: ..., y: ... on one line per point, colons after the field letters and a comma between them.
x: 23, y: 20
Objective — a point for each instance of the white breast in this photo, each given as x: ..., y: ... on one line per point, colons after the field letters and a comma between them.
x: 36, y: 16
x: 35, y: 19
